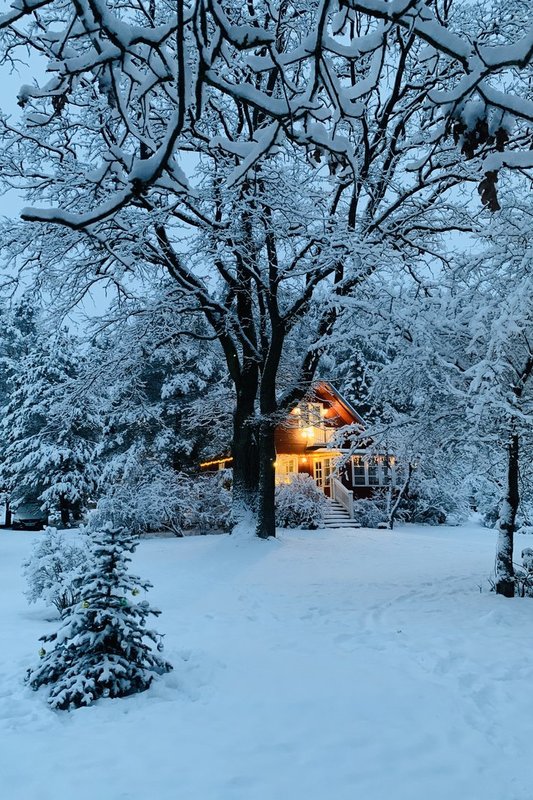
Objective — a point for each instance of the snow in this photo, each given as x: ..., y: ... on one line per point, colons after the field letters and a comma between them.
x: 338, y: 664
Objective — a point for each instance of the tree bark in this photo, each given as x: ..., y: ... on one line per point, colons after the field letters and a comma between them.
x: 266, y: 510
x: 9, y: 516
x: 64, y: 509
x: 245, y: 454
x: 505, y: 582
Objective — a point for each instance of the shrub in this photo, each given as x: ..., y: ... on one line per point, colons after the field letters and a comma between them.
x: 524, y: 521
x: 206, y: 504
x: 370, y: 512
x: 52, y: 571
x: 149, y: 500
x: 164, y: 500
x: 300, y: 504
x: 432, y: 501
x: 524, y: 574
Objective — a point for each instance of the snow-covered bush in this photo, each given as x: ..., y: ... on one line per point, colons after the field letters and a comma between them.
x: 206, y: 503
x: 300, y: 504
x: 486, y: 499
x: 53, y: 569
x: 148, y: 499
x: 370, y: 512
x: 160, y: 499
x: 433, y: 501
x: 524, y: 518
x: 489, y: 501
x: 103, y: 647
x: 524, y: 574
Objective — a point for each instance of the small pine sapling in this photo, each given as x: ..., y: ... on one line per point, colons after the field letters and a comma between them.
x: 103, y: 647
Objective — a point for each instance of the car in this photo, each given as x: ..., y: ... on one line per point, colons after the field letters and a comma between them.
x: 29, y: 516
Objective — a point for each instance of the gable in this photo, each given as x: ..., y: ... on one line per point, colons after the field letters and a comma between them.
x: 314, y: 420
x: 340, y: 408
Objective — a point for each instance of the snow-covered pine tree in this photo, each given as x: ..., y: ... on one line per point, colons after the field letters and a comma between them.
x: 103, y: 647
x: 49, y: 428
x: 19, y: 329
x: 167, y: 407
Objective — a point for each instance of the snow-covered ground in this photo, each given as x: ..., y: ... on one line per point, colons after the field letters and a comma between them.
x: 324, y: 665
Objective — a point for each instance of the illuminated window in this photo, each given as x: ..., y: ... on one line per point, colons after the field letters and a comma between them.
x: 359, y: 472
x: 373, y: 470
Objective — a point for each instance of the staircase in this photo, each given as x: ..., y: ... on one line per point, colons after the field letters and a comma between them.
x: 336, y: 516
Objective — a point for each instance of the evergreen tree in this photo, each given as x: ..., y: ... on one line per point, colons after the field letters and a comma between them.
x: 168, y: 406
x: 49, y: 428
x: 103, y: 647
x: 19, y: 329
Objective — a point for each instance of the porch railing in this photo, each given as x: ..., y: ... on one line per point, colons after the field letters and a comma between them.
x: 342, y: 495
x: 323, y: 435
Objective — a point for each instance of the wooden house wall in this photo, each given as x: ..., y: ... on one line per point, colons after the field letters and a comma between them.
x: 289, y: 439
x: 305, y: 467
x: 337, y: 413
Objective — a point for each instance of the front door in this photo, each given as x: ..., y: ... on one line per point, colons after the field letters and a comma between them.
x: 322, y: 469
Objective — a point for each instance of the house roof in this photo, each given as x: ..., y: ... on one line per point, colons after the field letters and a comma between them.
x: 325, y: 387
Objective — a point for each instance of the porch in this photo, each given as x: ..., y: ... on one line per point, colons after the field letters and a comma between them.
x: 342, y: 477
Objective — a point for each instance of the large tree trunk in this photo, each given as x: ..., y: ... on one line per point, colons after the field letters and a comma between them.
x: 505, y: 583
x: 266, y: 510
x: 245, y: 452
x: 244, y: 446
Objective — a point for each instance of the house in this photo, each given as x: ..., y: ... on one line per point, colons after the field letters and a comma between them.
x: 309, y: 441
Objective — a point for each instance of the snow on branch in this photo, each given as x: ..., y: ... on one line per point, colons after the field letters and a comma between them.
x: 20, y: 9
x: 477, y: 60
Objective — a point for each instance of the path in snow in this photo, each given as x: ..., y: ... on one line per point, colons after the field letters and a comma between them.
x: 342, y: 665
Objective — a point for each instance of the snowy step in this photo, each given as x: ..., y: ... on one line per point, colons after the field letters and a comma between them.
x: 336, y: 516
x: 336, y: 512
x: 344, y: 523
